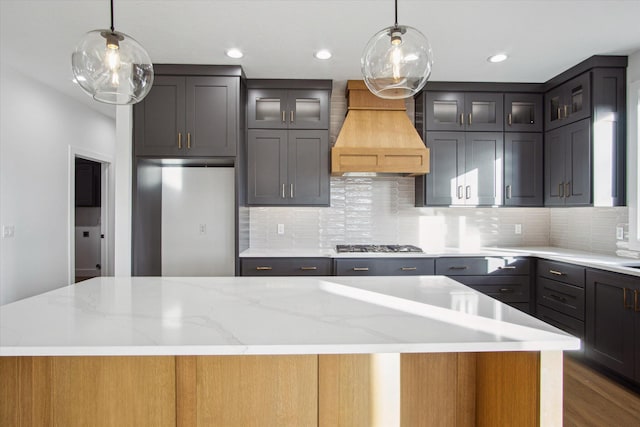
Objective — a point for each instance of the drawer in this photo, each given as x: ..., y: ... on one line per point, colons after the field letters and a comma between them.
x: 567, y: 323
x: 474, y: 266
x: 286, y: 266
x: 384, y: 266
x: 502, y: 288
x: 562, y: 272
x: 566, y: 299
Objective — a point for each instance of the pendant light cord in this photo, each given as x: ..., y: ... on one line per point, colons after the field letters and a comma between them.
x: 396, y: 24
x: 112, y: 28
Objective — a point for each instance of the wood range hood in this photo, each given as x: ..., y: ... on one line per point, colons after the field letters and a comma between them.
x: 377, y: 136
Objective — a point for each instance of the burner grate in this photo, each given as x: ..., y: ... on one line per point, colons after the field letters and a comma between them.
x: 377, y: 248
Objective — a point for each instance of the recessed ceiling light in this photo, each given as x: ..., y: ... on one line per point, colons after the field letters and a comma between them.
x: 498, y: 58
x: 234, y: 53
x: 322, y: 54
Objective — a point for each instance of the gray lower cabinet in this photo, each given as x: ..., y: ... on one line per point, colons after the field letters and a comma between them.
x: 560, y: 296
x: 613, y: 322
x: 286, y: 266
x: 523, y: 170
x: 383, y: 266
x: 288, y: 167
x: 503, y: 278
x: 567, y: 165
x: 465, y: 169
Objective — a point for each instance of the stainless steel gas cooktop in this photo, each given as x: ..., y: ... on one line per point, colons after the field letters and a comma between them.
x: 377, y: 248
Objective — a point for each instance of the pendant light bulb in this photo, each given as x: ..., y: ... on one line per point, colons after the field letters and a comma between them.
x: 112, y: 67
x: 396, y: 62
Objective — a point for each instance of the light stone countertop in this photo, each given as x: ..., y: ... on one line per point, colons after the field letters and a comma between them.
x: 585, y: 259
x: 269, y: 315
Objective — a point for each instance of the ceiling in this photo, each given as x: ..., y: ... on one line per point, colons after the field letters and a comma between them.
x: 279, y: 37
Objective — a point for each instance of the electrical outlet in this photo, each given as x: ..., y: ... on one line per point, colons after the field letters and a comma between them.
x: 620, y: 233
x: 280, y: 228
x: 203, y: 228
x: 8, y: 231
x: 518, y: 229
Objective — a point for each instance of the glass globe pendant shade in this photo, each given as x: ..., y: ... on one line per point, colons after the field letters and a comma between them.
x: 397, y: 62
x: 112, y: 67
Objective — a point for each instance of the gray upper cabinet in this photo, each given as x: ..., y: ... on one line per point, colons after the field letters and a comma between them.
x: 464, y: 168
x: 523, y: 112
x: 523, y: 170
x: 288, y: 167
x: 568, y: 165
x: 568, y: 102
x: 288, y: 109
x: 470, y: 111
x: 188, y: 116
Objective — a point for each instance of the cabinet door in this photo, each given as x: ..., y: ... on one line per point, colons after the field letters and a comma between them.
x: 554, y: 108
x: 523, y: 169
x: 445, y: 111
x: 554, y: 164
x: 357, y: 267
x: 267, y: 167
x: 444, y: 185
x: 308, y: 109
x: 578, y: 163
x: 610, y: 320
x: 159, y: 120
x: 211, y: 116
x: 483, y: 174
x: 308, y: 167
x: 267, y: 109
x: 484, y: 111
x: 523, y: 112
x: 577, y: 94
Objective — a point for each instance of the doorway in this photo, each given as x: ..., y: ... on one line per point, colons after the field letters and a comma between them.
x: 89, y: 217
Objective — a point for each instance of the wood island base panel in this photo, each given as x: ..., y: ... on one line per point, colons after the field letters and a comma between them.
x: 368, y: 390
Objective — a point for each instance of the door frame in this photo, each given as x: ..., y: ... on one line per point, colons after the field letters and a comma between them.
x: 106, y: 210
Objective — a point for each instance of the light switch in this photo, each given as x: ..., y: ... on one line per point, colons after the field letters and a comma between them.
x: 280, y: 228
x: 203, y: 228
x: 8, y: 231
x: 518, y: 229
x: 620, y: 233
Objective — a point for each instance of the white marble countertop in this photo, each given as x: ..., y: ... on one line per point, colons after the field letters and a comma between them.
x: 586, y: 259
x: 277, y: 315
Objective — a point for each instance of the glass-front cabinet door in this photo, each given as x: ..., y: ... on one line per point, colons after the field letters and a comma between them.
x: 307, y: 109
x: 267, y: 109
x: 484, y: 111
x: 569, y: 102
x: 523, y: 112
x: 445, y: 111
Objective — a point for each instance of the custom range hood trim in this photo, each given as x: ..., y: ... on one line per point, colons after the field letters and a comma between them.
x: 377, y: 136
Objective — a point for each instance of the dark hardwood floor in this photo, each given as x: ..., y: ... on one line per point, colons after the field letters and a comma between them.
x: 592, y: 399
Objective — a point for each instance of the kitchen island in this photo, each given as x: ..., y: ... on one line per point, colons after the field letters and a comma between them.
x: 421, y: 350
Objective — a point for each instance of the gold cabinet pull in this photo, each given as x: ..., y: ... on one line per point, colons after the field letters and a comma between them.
x: 559, y: 113
x: 470, y: 121
x: 461, y: 119
x: 567, y: 189
x: 179, y: 140
x: 509, y: 119
x: 508, y: 191
x: 557, y: 273
x: 566, y: 113
x: 506, y: 290
x: 459, y: 191
x: 624, y: 299
x: 283, y: 116
x: 291, y: 190
x: 409, y: 268
x: 188, y: 140
x: 468, y: 192
x: 506, y: 267
x: 360, y: 268
x: 308, y: 268
x: 264, y: 268
x: 636, y: 303
x: 291, y: 116
x: 561, y: 191
x: 283, y: 196
x: 458, y: 267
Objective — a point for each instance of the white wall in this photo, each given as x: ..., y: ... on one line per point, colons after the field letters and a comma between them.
x: 38, y: 128
x: 633, y: 150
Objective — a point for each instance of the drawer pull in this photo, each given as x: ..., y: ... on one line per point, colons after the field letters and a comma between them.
x: 308, y: 268
x: 360, y: 268
x: 557, y: 273
x: 507, y: 267
x: 263, y: 268
x: 506, y: 290
x: 624, y: 298
x: 460, y: 267
x: 409, y: 268
x: 557, y: 298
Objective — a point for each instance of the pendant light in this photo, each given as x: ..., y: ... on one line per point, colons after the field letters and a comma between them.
x: 112, y: 67
x: 397, y: 61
